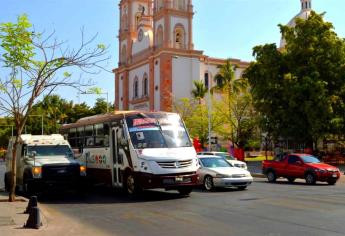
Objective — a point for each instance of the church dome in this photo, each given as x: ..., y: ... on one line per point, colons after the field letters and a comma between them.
x: 303, y: 14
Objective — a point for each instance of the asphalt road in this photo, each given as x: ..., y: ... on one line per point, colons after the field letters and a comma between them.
x: 264, y: 209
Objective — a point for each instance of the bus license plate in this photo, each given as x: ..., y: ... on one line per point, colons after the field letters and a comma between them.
x: 179, y: 179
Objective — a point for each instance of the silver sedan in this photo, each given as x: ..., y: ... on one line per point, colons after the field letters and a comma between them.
x: 216, y: 172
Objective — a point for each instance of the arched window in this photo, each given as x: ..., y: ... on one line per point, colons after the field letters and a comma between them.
x: 136, y: 88
x: 145, y: 86
x: 123, y: 54
x: 206, y: 80
x: 179, y: 37
x: 159, y: 37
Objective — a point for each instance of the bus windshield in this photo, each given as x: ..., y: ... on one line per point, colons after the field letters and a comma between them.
x: 50, y: 150
x: 157, y: 130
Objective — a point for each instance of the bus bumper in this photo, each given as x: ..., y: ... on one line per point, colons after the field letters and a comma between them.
x: 168, y: 182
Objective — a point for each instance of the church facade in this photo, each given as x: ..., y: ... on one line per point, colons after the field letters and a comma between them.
x: 157, y: 59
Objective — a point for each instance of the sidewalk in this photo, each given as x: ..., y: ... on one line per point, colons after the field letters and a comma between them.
x: 12, y: 218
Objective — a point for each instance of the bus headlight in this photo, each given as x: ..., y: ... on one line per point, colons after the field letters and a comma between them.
x: 37, y: 172
x: 82, y: 170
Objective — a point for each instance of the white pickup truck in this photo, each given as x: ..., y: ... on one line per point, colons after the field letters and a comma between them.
x: 43, y: 161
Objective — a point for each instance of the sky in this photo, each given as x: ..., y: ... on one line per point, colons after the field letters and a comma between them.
x: 221, y: 28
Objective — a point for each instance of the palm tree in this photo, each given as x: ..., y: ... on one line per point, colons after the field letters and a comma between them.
x: 232, y: 87
x: 200, y: 90
x: 225, y: 79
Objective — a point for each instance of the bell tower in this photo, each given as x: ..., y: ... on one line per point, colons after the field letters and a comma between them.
x: 305, y: 5
x: 173, y: 24
x: 131, y: 12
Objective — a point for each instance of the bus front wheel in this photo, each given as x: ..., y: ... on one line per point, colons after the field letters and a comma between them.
x: 130, y: 184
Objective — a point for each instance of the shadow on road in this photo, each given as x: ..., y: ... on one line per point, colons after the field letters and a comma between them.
x: 105, y: 195
x: 285, y: 182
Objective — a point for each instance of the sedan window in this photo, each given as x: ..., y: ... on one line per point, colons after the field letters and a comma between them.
x: 214, y: 162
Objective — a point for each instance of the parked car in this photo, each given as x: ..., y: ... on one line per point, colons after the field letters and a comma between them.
x: 232, y: 160
x: 303, y: 166
x: 215, y: 171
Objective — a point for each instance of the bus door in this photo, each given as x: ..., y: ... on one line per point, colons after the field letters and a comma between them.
x: 117, y: 157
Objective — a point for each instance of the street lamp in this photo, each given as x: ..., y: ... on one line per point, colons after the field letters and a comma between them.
x: 106, y: 93
x: 209, y: 104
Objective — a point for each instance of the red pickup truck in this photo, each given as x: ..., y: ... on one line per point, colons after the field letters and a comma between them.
x: 302, y: 166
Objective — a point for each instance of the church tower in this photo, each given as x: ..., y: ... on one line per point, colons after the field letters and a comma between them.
x: 303, y: 14
x: 131, y: 12
x: 173, y: 24
x: 306, y: 5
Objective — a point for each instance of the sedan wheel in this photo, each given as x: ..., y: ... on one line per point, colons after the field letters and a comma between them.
x: 208, y: 183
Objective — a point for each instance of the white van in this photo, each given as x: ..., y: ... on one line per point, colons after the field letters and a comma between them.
x: 43, y: 161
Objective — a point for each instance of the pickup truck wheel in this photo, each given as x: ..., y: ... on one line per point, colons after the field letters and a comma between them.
x: 331, y: 182
x: 271, y: 176
x: 291, y: 180
x: 208, y: 183
x: 310, y: 178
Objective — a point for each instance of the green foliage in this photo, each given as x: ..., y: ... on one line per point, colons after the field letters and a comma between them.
x: 100, y: 106
x: 299, y: 90
x: 199, y: 91
x: 67, y: 74
x: 237, y: 116
x: 16, y: 41
x: 95, y: 90
x: 195, y: 116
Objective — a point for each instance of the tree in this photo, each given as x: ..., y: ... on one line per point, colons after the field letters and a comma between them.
x: 199, y: 91
x: 100, y: 106
x: 195, y: 116
x: 299, y: 89
x: 233, y: 103
x: 33, y: 63
x: 238, y: 117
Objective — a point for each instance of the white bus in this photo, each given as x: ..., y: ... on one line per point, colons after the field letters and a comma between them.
x: 136, y: 150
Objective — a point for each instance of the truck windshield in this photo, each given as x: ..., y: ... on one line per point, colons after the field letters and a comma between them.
x: 50, y: 150
x: 157, y: 131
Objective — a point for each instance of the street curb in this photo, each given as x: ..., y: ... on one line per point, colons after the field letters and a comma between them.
x: 258, y: 175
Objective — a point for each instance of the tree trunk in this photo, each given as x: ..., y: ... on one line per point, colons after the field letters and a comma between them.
x: 13, y: 180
